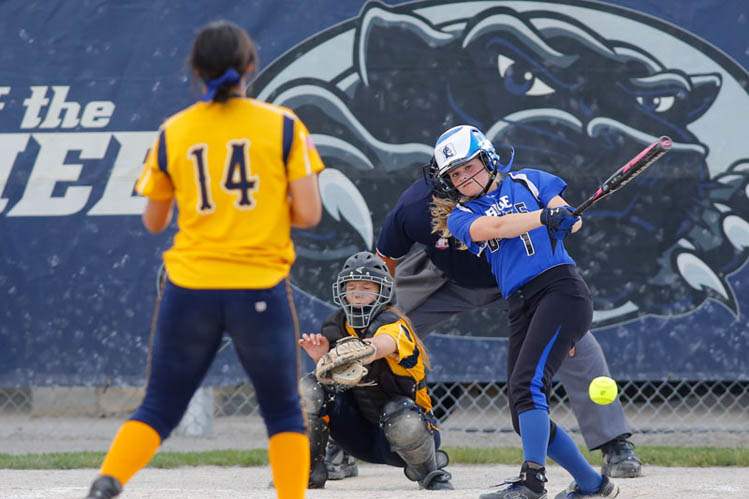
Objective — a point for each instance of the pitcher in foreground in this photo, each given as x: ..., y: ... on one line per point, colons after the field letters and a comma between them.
x: 241, y: 173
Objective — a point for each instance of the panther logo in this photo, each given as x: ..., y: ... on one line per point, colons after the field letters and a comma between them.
x: 577, y: 89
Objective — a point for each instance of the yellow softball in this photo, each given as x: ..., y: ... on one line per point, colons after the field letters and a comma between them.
x: 603, y: 390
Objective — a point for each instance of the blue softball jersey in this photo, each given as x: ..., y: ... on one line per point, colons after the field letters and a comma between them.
x: 517, y: 260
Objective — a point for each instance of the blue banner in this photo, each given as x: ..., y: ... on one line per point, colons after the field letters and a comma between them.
x: 576, y: 87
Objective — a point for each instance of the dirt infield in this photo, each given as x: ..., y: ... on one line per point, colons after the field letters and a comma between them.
x: 374, y: 482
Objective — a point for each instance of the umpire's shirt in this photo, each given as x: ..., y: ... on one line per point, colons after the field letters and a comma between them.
x: 410, y: 221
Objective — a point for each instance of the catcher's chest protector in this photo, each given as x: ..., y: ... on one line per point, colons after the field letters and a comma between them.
x: 372, y: 399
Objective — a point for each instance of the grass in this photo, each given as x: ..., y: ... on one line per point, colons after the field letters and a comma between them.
x: 697, y: 457
x: 693, y: 457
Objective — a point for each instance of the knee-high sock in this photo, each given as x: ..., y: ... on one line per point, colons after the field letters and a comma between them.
x: 132, y: 449
x: 288, y: 453
x: 534, y: 432
x: 564, y: 451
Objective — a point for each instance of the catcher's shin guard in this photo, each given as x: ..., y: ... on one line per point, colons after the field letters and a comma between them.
x: 408, y: 435
x: 104, y: 487
x: 313, y: 403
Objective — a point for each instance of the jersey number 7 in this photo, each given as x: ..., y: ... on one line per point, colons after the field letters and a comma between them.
x: 236, y: 175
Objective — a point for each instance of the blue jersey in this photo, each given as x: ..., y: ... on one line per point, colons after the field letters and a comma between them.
x: 410, y: 221
x: 514, y: 261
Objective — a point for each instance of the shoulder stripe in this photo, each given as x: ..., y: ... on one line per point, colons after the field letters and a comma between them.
x: 162, y: 152
x: 463, y: 208
x: 404, y: 329
x: 288, y: 137
x: 522, y: 177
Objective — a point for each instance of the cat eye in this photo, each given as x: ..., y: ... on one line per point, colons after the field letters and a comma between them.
x: 519, y: 80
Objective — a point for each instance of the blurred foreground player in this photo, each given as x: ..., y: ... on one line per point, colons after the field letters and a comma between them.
x: 241, y: 174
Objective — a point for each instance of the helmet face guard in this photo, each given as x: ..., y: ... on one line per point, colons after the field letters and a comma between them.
x: 454, y: 148
x: 443, y: 186
x: 363, y: 266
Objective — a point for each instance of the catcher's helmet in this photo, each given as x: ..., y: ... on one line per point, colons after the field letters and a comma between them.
x: 456, y: 147
x: 363, y: 266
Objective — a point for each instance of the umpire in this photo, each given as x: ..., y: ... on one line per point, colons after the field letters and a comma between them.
x: 440, y: 281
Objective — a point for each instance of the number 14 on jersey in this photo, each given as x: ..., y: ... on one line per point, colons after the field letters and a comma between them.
x: 236, y: 177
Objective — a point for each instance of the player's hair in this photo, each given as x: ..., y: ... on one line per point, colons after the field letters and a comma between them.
x: 440, y: 209
x: 219, y: 47
x: 401, y: 315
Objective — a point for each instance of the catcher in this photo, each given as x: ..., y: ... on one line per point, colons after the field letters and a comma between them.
x: 369, y: 388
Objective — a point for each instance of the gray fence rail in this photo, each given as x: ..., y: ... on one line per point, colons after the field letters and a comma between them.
x: 669, y: 412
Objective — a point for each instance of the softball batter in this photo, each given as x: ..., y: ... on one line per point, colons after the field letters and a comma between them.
x: 439, y: 280
x: 519, y: 222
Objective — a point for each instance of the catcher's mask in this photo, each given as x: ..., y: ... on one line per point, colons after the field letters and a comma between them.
x: 363, y: 266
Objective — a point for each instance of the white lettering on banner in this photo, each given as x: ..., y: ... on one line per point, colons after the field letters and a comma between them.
x: 63, y: 113
x: 11, y: 144
x: 59, y: 105
x: 50, y: 168
x: 3, y: 91
x: 118, y: 198
x: 34, y: 105
x: 96, y: 114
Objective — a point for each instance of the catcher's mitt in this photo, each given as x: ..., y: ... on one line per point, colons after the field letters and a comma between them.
x: 342, y: 365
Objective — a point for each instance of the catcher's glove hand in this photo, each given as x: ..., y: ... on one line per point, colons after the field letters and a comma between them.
x: 342, y: 365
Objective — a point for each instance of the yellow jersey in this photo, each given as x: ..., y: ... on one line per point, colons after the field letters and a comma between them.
x: 228, y: 167
x: 408, y: 359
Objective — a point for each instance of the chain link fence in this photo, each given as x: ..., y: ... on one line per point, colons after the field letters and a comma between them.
x: 669, y: 412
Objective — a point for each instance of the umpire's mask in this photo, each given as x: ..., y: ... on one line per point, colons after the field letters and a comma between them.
x: 363, y: 266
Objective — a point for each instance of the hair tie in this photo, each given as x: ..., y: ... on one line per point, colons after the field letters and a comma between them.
x: 230, y: 77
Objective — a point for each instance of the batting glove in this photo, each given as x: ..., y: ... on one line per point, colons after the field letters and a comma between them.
x: 559, y: 221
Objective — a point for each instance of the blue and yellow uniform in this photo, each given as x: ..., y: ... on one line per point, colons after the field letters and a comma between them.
x: 230, y: 184
x: 240, y: 173
x: 228, y: 167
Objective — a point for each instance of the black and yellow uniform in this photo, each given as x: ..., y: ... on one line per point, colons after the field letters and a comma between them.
x: 400, y: 374
x: 356, y: 417
x: 387, y: 418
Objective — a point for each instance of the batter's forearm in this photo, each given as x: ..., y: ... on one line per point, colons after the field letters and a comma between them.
x: 504, y: 227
